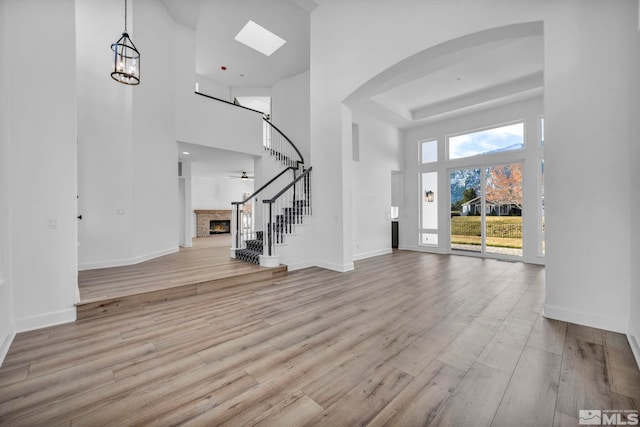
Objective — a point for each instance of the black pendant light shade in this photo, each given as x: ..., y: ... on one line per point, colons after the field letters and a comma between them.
x: 126, y: 58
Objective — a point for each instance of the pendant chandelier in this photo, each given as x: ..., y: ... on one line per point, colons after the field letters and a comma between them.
x: 126, y: 58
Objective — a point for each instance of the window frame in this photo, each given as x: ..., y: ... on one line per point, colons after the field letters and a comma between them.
x: 481, y: 129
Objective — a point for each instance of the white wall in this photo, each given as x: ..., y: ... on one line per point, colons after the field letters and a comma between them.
x: 41, y: 117
x: 290, y: 111
x: 588, y: 121
x: 155, y: 188
x: 203, y: 121
x: 7, y: 328
x: 127, y: 172
x: 211, y: 123
x: 379, y: 155
x: 527, y: 111
x: 588, y: 70
x: 634, y: 299
x: 105, y: 151
x: 184, y: 206
x: 212, y: 87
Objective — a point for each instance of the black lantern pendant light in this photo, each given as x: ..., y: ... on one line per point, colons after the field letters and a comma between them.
x: 126, y: 58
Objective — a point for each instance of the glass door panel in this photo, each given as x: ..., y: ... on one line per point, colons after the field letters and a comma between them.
x: 503, y: 209
x: 466, y: 210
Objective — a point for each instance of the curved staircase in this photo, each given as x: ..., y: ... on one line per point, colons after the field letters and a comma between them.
x: 281, y: 213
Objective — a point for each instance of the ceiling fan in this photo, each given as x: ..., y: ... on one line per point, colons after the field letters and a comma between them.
x: 243, y: 177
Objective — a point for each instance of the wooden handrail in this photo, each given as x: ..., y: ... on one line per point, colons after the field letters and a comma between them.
x: 228, y: 102
x: 287, y: 139
x: 291, y: 184
x: 263, y: 187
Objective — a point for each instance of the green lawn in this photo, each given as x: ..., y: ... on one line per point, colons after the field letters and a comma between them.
x: 502, y: 231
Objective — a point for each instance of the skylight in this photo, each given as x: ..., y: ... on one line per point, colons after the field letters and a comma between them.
x: 259, y: 38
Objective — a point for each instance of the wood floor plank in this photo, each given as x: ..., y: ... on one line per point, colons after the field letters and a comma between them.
x: 584, y: 383
x: 563, y: 420
x: 548, y: 335
x: 85, y: 400
x: 505, y: 348
x: 624, y: 379
x: 476, y: 398
x: 296, y: 410
x: 420, y: 401
x: 366, y: 400
x: 466, y: 347
x: 530, y: 398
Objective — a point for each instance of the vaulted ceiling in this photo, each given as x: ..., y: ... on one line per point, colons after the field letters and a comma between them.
x: 217, y: 22
x: 477, y: 77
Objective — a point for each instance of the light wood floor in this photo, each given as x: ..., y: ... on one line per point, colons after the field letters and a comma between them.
x: 407, y: 339
x: 205, y: 267
x: 208, y: 259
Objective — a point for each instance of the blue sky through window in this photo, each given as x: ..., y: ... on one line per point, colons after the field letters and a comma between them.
x: 505, y: 138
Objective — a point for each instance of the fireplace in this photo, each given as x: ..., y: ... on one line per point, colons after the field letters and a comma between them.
x: 219, y: 226
x: 206, y: 218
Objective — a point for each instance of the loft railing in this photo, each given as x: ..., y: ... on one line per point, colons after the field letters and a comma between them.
x: 293, y: 202
x: 242, y: 214
x: 274, y: 141
x: 228, y: 102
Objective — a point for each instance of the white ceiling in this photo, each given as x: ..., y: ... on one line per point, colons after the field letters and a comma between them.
x: 217, y: 22
x: 486, y: 75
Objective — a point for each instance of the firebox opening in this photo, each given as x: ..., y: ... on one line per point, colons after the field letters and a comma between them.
x: 219, y: 226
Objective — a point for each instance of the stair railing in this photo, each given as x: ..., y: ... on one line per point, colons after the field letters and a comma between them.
x: 280, y: 146
x: 242, y: 224
x: 294, y: 202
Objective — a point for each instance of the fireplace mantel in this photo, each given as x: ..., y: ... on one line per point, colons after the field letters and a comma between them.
x: 213, y: 212
x: 203, y: 216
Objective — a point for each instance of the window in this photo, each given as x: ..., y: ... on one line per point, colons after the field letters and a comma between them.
x: 429, y: 151
x: 429, y: 208
x: 489, y: 141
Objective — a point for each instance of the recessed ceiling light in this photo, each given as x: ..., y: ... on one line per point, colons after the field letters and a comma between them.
x: 186, y: 152
x: 259, y: 38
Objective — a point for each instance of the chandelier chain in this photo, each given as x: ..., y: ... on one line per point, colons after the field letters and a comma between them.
x: 125, y: 16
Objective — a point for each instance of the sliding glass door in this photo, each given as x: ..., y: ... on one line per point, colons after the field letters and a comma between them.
x: 486, y: 210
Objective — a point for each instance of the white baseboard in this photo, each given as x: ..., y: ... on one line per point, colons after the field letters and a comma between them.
x: 127, y: 261
x: 427, y: 249
x: 299, y: 265
x: 340, y: 268
x: 586, y: 319
x: 45, y: 320
x: 6, y: 343
x: 364, y: 255
x: 633, y: 338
